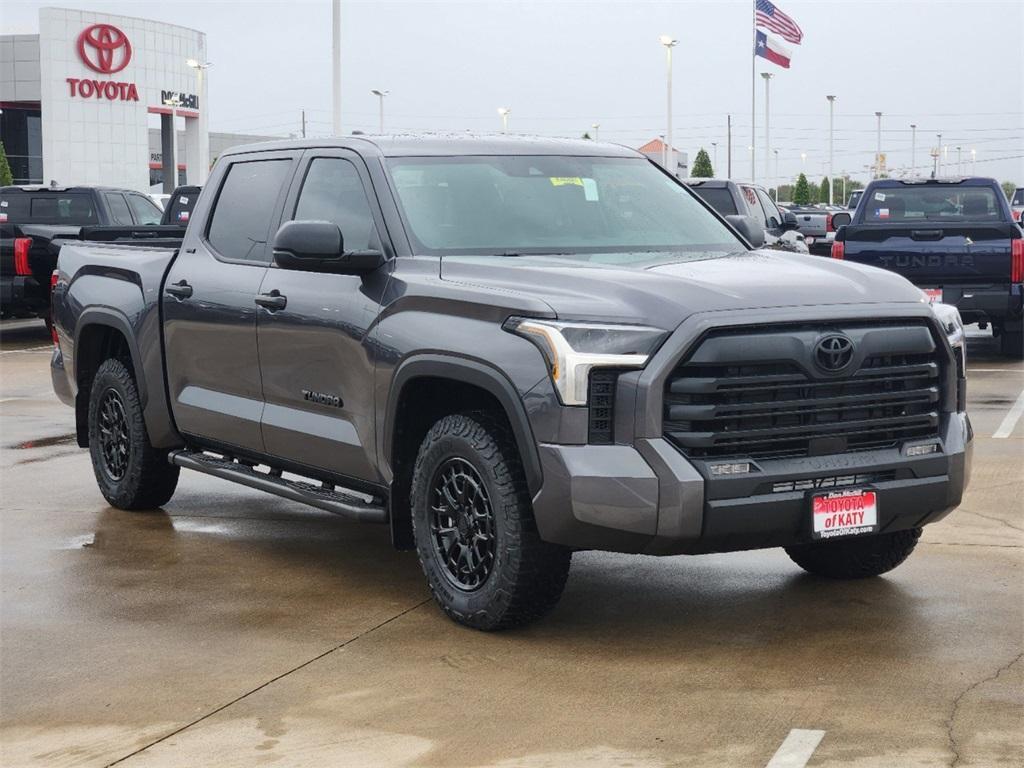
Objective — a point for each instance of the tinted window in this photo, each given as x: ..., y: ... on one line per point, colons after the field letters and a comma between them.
x: 718, y: 198
x: 931, y: 203
x: 551, y: 204
x: 71, y: 208
x: 755, y: 205
x: 1018, y: 197
x: 119, y: 213
x: 180, y: 205
x: 774, y: 217
x: 333, y: 192
x: 145, y: 210
x: 241, y: 219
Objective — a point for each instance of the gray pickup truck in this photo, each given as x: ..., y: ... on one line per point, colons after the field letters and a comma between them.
x: 508, y: 350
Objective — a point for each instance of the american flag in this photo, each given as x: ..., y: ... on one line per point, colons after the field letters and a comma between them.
x: 768, y: 16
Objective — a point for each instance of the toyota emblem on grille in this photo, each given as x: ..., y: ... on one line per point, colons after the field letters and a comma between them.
x: 833, y: 353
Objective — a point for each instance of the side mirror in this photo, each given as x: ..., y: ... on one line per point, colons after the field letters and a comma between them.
x: 840, y: 220
x: 789, y: 221
x: 318, y: 246
x: 751, y: 231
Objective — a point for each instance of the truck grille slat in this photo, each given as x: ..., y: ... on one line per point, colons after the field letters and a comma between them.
x: 761, y: 406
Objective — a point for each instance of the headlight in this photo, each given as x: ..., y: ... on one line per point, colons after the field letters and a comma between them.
x: 573, y: 349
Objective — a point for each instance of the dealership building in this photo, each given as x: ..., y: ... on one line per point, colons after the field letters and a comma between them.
x: 102, y: 99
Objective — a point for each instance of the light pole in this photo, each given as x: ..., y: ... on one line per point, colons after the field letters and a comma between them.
x: 803, y: 161
x: 935, y: 162
x: 596, y: 127
x: 878, y: 146
x: 776, y: 179
x: 714, y: 154
x: 913, y: 149
x: 336, y: 65
x: 974, y: 159
x: 204, y: 137
x: 380, y: 94
x: 938, y: 155
x: 831, y: 126
x: 504, y: 112
x: 669, y: 42
x: 767, y: 133
x: 959, y: 163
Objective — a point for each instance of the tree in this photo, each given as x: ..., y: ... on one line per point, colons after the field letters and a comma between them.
x: 7, y: 178
x: 586, y: 135
x: 702, y: 166
x: 802, y: 191
x: 823, y: 190
x: 1008, y: 188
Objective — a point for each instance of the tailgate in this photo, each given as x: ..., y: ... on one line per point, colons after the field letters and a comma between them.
x: 934, y: 255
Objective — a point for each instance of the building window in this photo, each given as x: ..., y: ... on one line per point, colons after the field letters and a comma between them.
x: 22, y: 135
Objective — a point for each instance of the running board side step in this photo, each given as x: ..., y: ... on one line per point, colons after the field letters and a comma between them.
x: 339, y: 502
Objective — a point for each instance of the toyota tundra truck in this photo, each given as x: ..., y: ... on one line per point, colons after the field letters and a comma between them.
x: 508, y: 350
x: 954, y: 238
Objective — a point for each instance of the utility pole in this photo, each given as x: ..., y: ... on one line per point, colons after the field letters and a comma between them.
x: 336, y: 65
x: 831, y: 138
x: 878, y: 146
x: 303, y: 123
x: 913, y: 149
x: 767, y: 131
x: 728, y: 146
x: 669, y: 42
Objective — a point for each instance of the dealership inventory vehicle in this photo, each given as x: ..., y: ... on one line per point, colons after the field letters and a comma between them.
x: 815, y: 224
x: 855, y: 197
x: 32, y: 218
x: 509, y: 349
x: 732, y: 198
x: 1017, y: 205
x: 954, y: 238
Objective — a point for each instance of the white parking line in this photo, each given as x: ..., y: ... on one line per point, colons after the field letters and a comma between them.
x: 1012, y: 417
x: 993, y: 370
x: 29, y: 349
x: 797, y: 749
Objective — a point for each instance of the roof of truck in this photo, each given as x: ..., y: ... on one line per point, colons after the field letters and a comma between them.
x: 454, y: 144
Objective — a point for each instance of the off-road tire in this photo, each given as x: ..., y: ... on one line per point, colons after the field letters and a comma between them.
x: 1011, y: 344
x: 527, y: 575
x: 857, y: 558
x: 148, y: 480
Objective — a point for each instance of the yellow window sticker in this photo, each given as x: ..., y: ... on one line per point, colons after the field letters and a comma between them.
x: 561, y: 181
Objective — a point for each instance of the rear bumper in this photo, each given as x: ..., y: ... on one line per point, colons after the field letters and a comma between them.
x: 978, y: 303
x: 18, y: 295
x: 650, y: 499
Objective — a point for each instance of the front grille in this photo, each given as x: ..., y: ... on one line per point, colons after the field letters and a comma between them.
x: 601, y: 404
x: 758, y: 393
x: 833, y: 481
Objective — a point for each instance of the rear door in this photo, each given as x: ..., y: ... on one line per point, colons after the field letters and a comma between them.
x: 315, y: 356
x: 209, y: 305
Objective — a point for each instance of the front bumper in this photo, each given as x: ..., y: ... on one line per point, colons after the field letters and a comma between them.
x: 650, y: 499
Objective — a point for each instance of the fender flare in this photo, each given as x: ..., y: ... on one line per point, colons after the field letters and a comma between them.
x: 112, y: 318
x: 478, y: 374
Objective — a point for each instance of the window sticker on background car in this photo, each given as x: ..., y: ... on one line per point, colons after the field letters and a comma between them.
x: 880, y: 197
x: 881, y: 213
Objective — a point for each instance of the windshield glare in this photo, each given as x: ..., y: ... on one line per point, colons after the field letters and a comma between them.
x: 551, y: 204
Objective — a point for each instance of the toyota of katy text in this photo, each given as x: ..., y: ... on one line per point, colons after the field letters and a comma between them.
x: 508, y: 350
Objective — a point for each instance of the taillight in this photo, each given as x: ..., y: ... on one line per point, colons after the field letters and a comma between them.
x: 838, y: 249
x: 828, y: 223
x: 22, y: 245
x: 53, y: 325
x: 1017, y: 261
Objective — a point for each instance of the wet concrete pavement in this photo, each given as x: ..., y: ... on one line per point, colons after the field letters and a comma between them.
x: 234, y: 628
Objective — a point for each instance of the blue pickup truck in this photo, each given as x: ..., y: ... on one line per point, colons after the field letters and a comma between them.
x: 956, y: 239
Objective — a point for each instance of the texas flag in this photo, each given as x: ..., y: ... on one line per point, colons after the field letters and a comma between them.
x: 771, y: 49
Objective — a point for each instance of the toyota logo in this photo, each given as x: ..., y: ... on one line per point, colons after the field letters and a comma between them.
x: 833, y: 353
x: 104, y: 48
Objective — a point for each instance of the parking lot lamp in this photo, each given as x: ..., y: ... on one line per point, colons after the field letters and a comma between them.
x: 767, y: 132
x: 878, y: 145
x: 776, y: 174
x: 596, y: 127
x: 974, y: 159
x: 669, y: 42
x: 504, y: 112
x: 913, y: 149
x: 938, y: 155
x: 959, y: 162
x: 714, y: 155
x: 831, y: 126
x: 380, y: 96
x: 204, y: 144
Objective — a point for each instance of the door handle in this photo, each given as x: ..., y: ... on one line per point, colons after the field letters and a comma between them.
x: 179, y: 290
x: 272, y: 301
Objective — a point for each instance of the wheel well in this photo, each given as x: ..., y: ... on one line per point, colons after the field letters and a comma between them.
x: 422, y: 402
x: 96, y: 343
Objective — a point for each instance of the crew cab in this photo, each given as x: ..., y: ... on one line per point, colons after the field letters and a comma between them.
x: 32, y: 218
x: 954, y: 238
x: 731, y: 198
x: 507, y: 350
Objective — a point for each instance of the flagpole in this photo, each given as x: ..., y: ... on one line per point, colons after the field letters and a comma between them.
x: 753, y: 88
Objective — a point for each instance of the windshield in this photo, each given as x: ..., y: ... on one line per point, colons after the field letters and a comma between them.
x: 927, y: 203
x: 551, y: 204
x: 72, y: 208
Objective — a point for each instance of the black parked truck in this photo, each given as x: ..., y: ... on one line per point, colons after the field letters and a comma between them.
x: 507, y: 350
x: 33, y: 222
x: 954, y: 238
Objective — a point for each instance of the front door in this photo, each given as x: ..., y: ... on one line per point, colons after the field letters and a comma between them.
x: 209, y: 304
x: 315, y: 356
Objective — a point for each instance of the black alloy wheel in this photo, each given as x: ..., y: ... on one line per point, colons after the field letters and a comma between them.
x: 115, y: 443
x: 462, y: 524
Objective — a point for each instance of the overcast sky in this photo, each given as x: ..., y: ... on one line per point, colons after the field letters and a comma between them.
x: 954, y: 67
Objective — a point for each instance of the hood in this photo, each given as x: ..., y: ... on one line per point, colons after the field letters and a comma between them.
x: 663, y: 290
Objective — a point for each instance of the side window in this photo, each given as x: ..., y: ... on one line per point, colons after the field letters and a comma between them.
x: 145, y: 210
x: 332, y: 191
x: 774, y: 217
x: 240, y: 224
x: 755, y: 206
x: 119, y: 213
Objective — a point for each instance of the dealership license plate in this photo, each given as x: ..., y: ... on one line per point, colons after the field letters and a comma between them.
x: 934, y: 295
x: 844, y: 513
